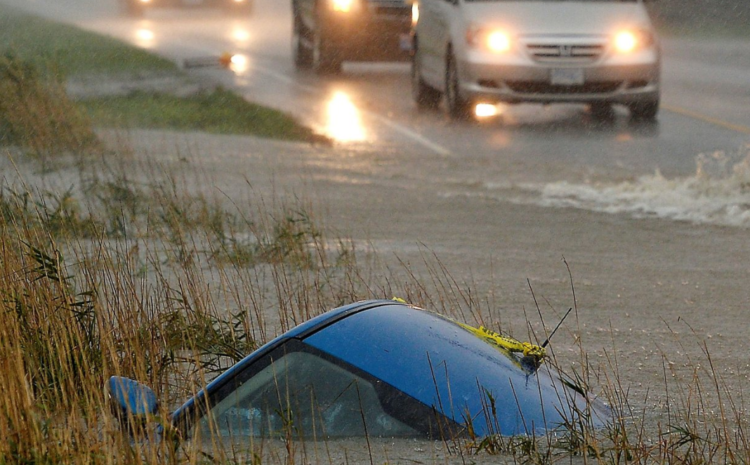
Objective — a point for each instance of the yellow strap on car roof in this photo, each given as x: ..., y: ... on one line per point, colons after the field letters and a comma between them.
x: 508, y: 343
x: 531, y: 352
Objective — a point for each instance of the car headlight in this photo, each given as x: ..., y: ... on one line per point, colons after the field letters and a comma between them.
x: 343, y: 6
x: 493, y: 40
x: 629, y: 41
x: 414, y: 13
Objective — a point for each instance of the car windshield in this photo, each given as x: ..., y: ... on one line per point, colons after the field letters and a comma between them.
x: 303, y: 395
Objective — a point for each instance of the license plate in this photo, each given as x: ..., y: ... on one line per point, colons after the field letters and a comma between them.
x: 567, y: 77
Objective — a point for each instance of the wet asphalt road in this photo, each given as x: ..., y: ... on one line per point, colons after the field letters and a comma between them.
x: 706, y: 105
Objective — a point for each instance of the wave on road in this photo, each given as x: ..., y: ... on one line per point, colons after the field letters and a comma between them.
x: 718, y: 193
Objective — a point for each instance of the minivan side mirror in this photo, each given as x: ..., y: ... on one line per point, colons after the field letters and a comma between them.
x: 131, y: 398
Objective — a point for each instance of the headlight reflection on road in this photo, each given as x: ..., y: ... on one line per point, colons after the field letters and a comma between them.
x: 241, y: 36
x: 145, y: 37
x: 344, y: 119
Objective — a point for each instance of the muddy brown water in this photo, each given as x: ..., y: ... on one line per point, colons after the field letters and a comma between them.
x: 653, y: 295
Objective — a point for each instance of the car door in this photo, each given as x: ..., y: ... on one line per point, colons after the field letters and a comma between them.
x: 439, y: 15
x: 431, y: 37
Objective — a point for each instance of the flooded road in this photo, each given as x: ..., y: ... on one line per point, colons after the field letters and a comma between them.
x: 546, y: 155
x: 653, y: 219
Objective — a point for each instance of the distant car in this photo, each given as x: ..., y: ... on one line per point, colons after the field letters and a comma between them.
x: 378, y: 368
x: 139, y: 7
x: 600, y: 52
x: 330, y: 32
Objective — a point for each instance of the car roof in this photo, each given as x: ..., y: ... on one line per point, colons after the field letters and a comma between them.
x: 447, y: 367
x: 440, y: 364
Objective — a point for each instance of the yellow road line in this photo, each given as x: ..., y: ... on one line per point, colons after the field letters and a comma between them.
x: 707, y: 119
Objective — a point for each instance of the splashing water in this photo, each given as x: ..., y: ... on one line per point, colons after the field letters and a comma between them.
x: 718, y: 193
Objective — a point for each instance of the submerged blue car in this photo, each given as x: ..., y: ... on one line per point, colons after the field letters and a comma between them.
x: 378, y: 368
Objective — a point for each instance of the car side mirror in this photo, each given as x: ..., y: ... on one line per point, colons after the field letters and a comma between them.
x: 131, y: 398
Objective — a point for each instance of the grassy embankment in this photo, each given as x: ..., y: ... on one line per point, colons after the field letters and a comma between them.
x: 59, y: 52
x: 135, y: 272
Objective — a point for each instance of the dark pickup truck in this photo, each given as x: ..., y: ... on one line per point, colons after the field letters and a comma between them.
x: 139, y: 7
x: 329, y: 32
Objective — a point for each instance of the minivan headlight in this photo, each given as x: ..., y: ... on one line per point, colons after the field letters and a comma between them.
x: 629, y: 41
x: 492, y: 40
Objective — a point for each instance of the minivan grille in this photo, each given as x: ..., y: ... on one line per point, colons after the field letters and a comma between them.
x: 535, y: 87
x: 565, y: 53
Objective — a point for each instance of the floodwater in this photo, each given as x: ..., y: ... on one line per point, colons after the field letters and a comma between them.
x: 653, y: 221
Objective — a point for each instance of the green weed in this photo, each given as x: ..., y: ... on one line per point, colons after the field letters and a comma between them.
x: 62, y: 50
x: 219, y: 111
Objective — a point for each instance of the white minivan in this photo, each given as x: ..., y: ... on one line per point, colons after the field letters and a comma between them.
x: 599, y: 52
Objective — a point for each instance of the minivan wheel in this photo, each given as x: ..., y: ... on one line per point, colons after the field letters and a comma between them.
x: 645, y: 110
x: 458, y: 107
x: 424, y: 96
